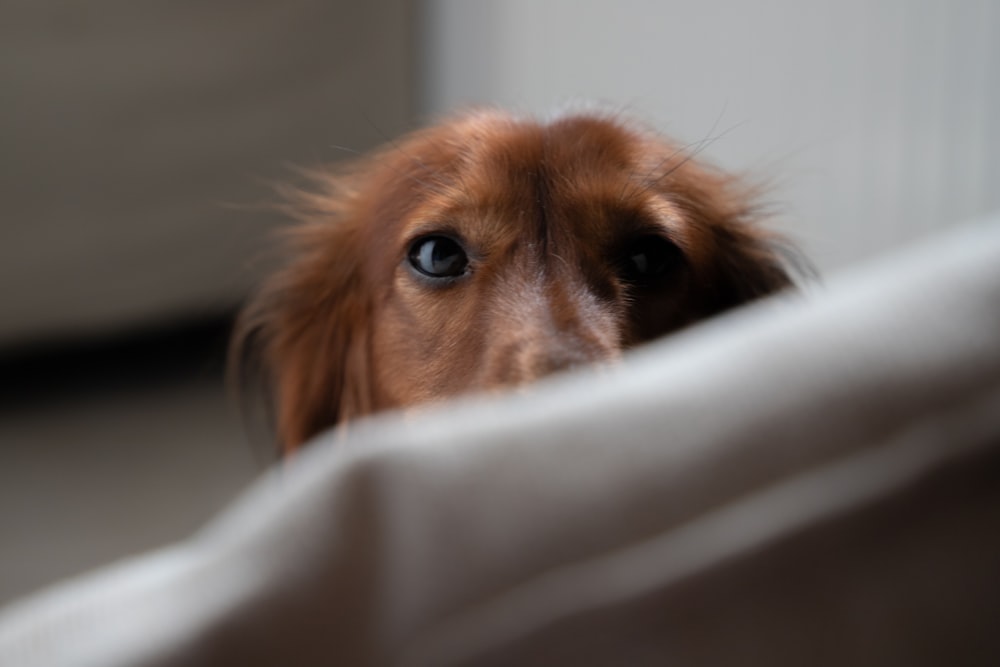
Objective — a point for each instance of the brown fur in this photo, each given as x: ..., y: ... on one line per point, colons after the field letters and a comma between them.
x: 545, y: 212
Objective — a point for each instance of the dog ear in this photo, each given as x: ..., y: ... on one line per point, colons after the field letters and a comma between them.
x: 750, y: 263
x: 307, y: 333
x: 736, y: 261
x: 304, y: 335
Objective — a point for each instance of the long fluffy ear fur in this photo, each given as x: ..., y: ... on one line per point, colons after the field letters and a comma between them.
x: 752, y: 265
x: 305, y: 330
x: 742, y: 261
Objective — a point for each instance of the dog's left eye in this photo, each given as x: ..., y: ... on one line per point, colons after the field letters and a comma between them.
x: 650, y: 258
x: 438, y: 257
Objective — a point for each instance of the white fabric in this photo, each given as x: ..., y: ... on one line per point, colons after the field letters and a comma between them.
x: 814, y: 480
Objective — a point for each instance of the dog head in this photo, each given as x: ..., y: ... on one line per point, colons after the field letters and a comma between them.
x: 492, y: 250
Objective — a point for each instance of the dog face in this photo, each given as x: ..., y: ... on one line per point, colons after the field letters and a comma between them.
x: 490, y: 251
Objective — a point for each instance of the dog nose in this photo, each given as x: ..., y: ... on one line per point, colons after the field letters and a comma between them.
x: 527, y: 361
x: 557, y: 358
x: 552, y: 326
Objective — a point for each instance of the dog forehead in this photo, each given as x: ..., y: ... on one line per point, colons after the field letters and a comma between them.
x: 555, y: 151
x: 577, y: 163
x: 502, y: 180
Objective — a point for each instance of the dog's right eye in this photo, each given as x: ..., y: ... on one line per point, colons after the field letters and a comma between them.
x: 649, y: 259
x: 438, y: 257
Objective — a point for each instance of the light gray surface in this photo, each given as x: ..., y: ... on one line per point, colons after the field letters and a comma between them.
x: 804, y: 482
x: 137, y: 138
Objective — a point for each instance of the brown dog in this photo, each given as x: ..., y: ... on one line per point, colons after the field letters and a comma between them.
x: 492, y: 250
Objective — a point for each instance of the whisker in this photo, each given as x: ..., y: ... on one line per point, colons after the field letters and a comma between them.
x: 346, y: 149
x: 561, y: 259
x: 698, y: 147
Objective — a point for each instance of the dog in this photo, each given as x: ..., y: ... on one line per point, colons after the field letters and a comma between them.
x: 492, y: 250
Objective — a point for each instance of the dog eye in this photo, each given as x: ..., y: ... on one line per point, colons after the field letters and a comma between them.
x: 649, y: 258
x: 438, y: 257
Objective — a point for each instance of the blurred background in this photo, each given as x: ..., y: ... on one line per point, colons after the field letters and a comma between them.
x: 137, y: 141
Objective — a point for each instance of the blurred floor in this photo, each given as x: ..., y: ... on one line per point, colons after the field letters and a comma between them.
x: 113, y: 448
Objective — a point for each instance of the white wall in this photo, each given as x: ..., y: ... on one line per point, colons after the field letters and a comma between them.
x: 137, y: 140
x: 876, y: 120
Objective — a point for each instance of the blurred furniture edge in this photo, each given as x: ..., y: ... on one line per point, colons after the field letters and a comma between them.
x: 140, y: 142
x: 807, y: 481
